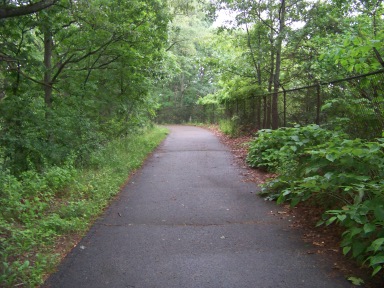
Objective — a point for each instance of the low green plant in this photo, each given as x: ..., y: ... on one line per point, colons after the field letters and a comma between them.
x: 363, y: 238
x: 337, y: 171
x: 279, y: 150
x: 39, y: 208
x: 230, y: 127
x: 341, y: 175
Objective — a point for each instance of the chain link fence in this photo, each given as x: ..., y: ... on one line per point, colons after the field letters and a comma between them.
x: 189, y: 114
x: 354, y: 105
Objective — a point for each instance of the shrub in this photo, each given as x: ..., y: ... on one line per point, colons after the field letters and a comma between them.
x: 334, y: 172
x: 230, y: 127
x: 279, y: 150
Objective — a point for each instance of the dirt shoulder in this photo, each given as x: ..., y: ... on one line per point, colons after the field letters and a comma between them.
x: 324, y: 239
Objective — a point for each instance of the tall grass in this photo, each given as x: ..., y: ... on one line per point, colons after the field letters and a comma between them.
x: 230, y: 127
x: 43, y: 213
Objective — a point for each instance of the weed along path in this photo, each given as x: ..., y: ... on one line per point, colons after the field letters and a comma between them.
x: 187, y: 219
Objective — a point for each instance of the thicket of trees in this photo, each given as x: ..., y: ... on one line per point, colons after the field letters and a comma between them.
x: 185, y: 75
x: 74, y: 75
x: 277, y: 45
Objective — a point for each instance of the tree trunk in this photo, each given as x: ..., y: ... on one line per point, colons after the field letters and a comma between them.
x: 276, y: 80
x: 264, y: 112
x: 48, y: 46
x: 268, y: 109
x: 258, y: 113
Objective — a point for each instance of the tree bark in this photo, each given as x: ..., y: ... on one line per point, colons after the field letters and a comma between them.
x: 48, y: 46
x: 268, y: 108
x: 8, y: 12
x: 276, y: 80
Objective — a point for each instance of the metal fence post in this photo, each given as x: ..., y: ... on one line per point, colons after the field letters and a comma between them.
x: 285, y: 107
x: 318, y: 104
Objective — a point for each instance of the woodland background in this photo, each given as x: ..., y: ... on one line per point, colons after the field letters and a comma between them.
x: 83, y: 82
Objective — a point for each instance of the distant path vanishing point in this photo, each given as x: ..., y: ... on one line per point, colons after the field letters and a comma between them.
x: 187, y: 219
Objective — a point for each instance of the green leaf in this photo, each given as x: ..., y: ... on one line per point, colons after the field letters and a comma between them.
x: 355, y: 230
x: 376, y: 270
x: 295, y: 138
x: 356, y: 41
x: 25, y: 265
x: 377, y: 244
x: 379, y: 213
x: 346, y: 249
x: 356, y: 281
x: 358, y: 248
x: 368, y: 228
x: 344, y: 62
x: 295, y: 201
x: 341, y: 218
x: 321, y: 222
x: 330, y: 220
x: 326, y: 106
x: 280, y: 200
x: 328, y: 175
x: 330, y: 157
x: 375, y: 260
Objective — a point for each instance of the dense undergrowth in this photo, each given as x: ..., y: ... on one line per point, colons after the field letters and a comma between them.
x: 327, y: 169
x: 39, y: 208
x: 230, y: 127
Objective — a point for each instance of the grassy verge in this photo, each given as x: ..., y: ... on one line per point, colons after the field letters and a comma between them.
x: 44, y: 214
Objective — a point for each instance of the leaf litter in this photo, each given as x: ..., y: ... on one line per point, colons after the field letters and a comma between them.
x: 324, y: 240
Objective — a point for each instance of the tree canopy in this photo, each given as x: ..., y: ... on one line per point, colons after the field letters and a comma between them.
x: 74, y: 74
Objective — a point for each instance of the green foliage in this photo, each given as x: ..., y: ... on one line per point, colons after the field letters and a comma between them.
x: 184, y: 76
x: 358, y: 110
x: 363, y: 238
x: 323, y: 41
x: 362, y: 33
x: 103, y: 59
x: 230, y: 127
x: 356, y: 281
x: 40, y: 207
x: 328, y: 169
x: 280, y: 150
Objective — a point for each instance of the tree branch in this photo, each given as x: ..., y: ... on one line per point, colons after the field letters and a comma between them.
x: 8, y: 12
x: 378, y: 56
x: 174, y: 43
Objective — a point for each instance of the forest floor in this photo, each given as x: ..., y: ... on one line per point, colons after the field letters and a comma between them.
x: 304, y: 217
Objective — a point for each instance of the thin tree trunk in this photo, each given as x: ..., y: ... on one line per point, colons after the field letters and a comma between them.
x: 258, y: 113
x: 48, y: 46
x: 264, y: 112
x: 276, y: 80
x: 268, y: 107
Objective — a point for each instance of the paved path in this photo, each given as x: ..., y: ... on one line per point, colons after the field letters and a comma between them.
x: 188, y: 220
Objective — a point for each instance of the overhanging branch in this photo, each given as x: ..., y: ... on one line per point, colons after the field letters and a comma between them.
x: 8, y: 12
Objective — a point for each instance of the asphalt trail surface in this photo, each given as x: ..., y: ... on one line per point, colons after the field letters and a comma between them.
x: 187, y: 219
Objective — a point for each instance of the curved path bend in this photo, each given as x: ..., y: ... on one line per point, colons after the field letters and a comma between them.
x: 187, y: 219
